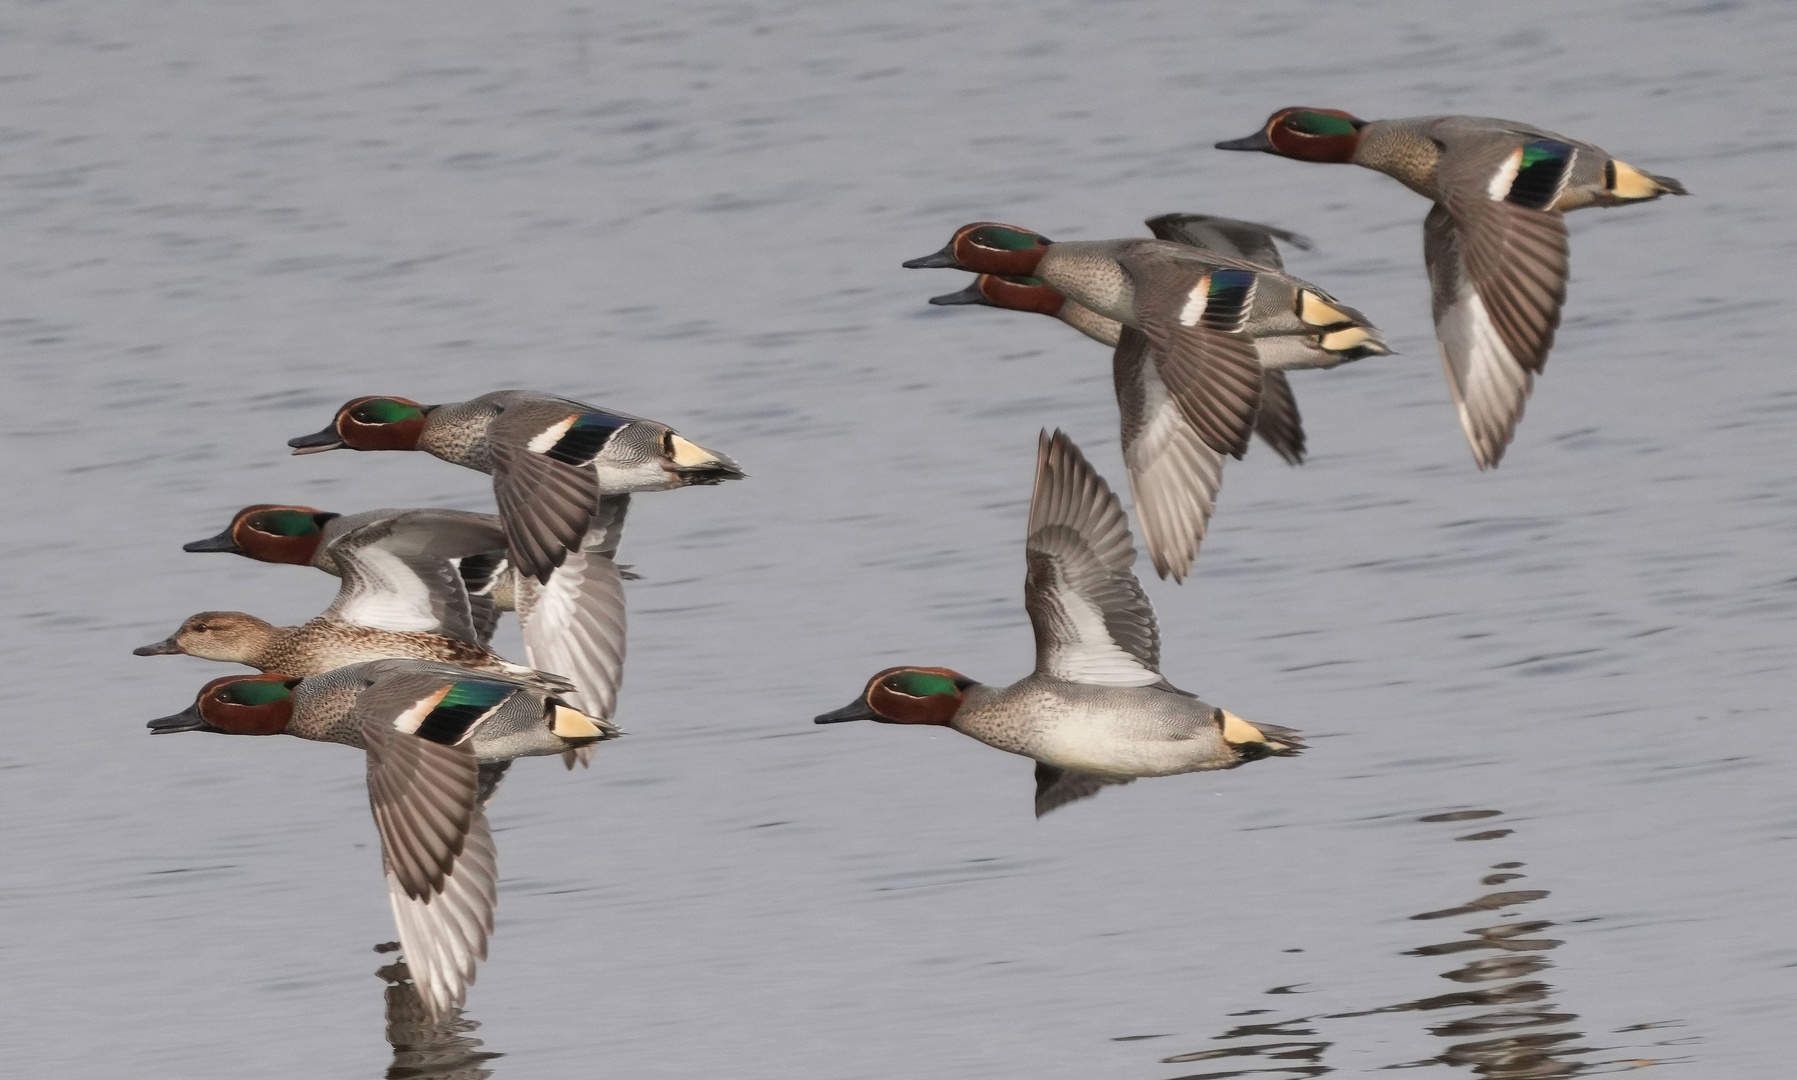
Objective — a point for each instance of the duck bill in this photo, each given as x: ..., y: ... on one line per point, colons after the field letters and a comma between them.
x: 165, y: 647
x: 317, y: 442
x: 187, y: 719
x: 944, y: 259
x: 1256, y: 141
x: 854, y: 710
x: 695, y: 465
x: 969, y: 295
x: 222, y: 542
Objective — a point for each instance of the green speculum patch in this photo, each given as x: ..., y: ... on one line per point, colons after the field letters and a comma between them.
x: 922, y: 683
x: 285, y: 523
x: 384, y: 411
x: 252, y: 692
x: 1315, y: 123
x: 1004, y: 239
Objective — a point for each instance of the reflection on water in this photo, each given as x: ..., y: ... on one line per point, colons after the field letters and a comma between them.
x: 426, y: 1048
x: 1523, y: 1034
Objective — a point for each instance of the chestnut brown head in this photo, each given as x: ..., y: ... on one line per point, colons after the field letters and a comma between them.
x: 368, y: 423
x: 906, y: 695
x: 270, y: 532
x: 1327, y: 135
x: 986, y: 247
x: 236, y: 705
x: 1015, y: 293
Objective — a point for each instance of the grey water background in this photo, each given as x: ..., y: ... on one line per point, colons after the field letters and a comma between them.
x: 218, y: 221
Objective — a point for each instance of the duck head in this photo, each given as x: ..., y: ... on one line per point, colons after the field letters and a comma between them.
x: 270, y: 532
x: 1328, y: 135
x: 1014, y: 292
x: 235, y: 705
x: 986, y: 247
x: 231, y: 636
x: 368, y: 423
x: 906, y: 695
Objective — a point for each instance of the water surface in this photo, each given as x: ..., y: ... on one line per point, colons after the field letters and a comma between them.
x: 221, y: 220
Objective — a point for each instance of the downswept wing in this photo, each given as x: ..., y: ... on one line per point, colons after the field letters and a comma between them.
x: 1092, y: 621
x: 1490, y: 384
x: 442, y: 878
x: 403, y: 572
x: 1194, y: 316
x: 543, y: 480
x: 574, y: 625
x: 1246, y: 240
x: 1173, y: 475
x: 1278, y: 423
x: 1058, y: 787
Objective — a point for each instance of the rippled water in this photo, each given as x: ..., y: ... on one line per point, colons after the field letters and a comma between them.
x: 1545, y: 826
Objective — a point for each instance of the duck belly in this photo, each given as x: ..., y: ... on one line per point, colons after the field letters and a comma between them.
x: 1096, y: 748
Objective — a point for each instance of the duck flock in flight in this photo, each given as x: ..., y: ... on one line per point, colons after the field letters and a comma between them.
x: 1204, y: 325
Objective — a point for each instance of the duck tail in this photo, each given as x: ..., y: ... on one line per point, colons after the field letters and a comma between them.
x: 1255, y: 741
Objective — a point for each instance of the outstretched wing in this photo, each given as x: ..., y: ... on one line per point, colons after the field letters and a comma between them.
x: 1093, y: 623
x: 1058, y: 787
x: 1173, y: 475
x: 574, y: 625
x: 441, y: 873
x: 402, y: 571
x: 1194, y: 317
x: 1489, y: 379
x: 1242, y: 239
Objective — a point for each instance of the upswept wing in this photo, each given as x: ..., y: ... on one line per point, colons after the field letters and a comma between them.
x: 1243, y: 239
x: 1092, y: 621
x: 402, y: 572
x: 1194, y: 315
x: 1173, y: 475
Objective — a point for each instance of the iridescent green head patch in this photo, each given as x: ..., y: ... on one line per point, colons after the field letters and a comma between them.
x: 284, y: 523
x: 1316, y: 123
x: 252, y: 692
x: 1003, y: 238
x: 922, y: 683
x: 384, y: 411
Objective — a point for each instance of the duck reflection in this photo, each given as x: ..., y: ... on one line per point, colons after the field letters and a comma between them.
x: 1523, y: 1034
x: 425, y: 1048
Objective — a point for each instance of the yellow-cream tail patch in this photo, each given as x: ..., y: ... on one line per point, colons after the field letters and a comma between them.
x: 1352, y: 337
x: 688, y: 454
x: 574, y: 724
x: 1237, y: 730
x: 1632, y: 183
x: 1316, y: 311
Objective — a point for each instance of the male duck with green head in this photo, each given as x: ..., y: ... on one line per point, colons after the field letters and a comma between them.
x: 1495, y: 240
x: 1096, y: 710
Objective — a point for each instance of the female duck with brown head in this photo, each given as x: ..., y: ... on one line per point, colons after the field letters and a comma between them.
x: 1175, y: 470
x: 1096, y: 710
x: 551, y: 459
x: 438, y: 738
x: 1494, y: 242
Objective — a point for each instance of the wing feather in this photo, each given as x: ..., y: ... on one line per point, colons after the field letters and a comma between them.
x: 1173, y: 476
x: 1092, y: 621
x: 1489, y: 384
